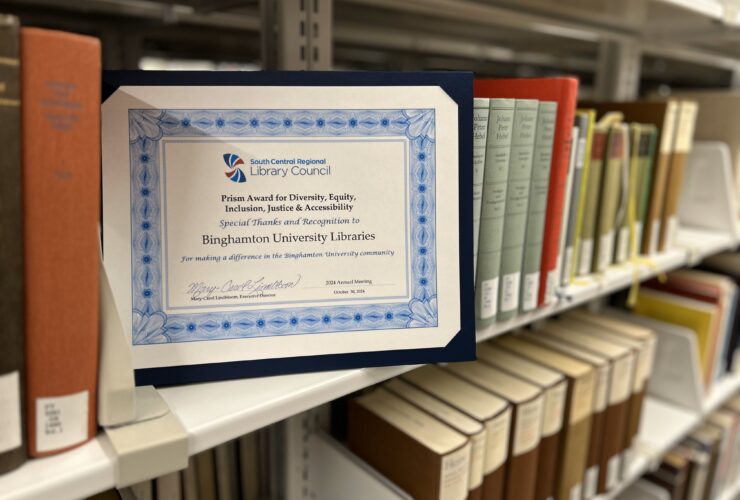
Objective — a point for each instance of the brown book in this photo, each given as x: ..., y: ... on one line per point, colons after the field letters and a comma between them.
x: 622, y: 360
x: 61, y: 199
x: 662, y: 114
x: 601, y: 393
x: 554, y: 388
x: 672, y: 474
x: 420, y: 454
x: 493, y: 412
x: 578, y: 409
x: 12, y: 402
x: 707, y: 438
x: 685, y: 122
x: 455, y: 419
x: 526, y: 423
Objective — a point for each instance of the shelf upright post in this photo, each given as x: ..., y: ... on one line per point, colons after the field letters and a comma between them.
x: 618, y: 70
x: 297, y: 34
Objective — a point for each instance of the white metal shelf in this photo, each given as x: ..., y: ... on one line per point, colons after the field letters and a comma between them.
x: 216, y: 412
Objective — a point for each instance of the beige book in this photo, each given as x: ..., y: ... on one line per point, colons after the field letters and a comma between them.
x: 600, y: 400
x: 493, y: 412
x: 727, y: 421
x: 420, y: 454
x: 455, y: 419
x: 526, y: 422
x: 578, y: 410
x: 554, y: 388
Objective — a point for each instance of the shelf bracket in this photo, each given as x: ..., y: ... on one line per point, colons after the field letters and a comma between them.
x: 618, y: 70
x: 297, y: 34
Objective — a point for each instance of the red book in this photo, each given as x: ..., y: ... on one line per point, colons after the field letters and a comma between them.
x: 60, y: 110
x: 564, y: 91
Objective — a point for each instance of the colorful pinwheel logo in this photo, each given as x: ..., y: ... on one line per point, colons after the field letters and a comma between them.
x: 235, y: 174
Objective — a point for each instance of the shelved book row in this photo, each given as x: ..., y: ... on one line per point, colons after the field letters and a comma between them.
x: 702, y: 466
x: 562, y: 192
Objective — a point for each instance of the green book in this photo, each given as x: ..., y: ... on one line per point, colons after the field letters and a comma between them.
x: 648, y: 142
x: 480, y: 127
x: 517, y: 204
x: 493, y: 206
x: 539, y: 185
x: 591, y: 206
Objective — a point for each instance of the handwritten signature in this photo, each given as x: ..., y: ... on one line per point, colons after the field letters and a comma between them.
x: 201, y: 289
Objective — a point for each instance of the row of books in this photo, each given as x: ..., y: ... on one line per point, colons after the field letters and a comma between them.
x: 545, y: 413
x: 561, y: 192
x: 706, y: 462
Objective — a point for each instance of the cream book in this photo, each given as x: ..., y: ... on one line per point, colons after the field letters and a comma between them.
x: 423, y: 456
x: 481, y: 107
x: 493, y: 412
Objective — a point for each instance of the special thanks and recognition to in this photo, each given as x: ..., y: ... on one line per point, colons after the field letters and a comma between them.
x: 251, y: 223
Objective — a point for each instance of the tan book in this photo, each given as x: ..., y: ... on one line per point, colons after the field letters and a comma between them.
x: 726, y: 420
x: 578, y: 410
x: 554, y: 388
x: 420, y: 454
x: 622, y: 360
x: 685, y: 122
x: 455, y: 419
x: 601, y: 393
x: 526, y: 401
x: 493, y: 412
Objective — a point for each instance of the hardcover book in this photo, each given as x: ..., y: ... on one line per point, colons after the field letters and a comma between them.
x: 582, y: 124
x: 592, y: 200
x: 562, y: 247
x: 646, y: 153
x: 480, y: 136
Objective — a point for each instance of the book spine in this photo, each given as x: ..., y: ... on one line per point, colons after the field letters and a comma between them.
x: 453, y: 481
x: 687, y: 111
x: 601, y: 394
x: 552, y: 425
x: 626, y: 214
x: 498, y: 430
x: 493, y: 207
x: 585, y: 179
x: 575, y: 198
x: 609, y: 199
x: 481, y: 108
x: 646, y: 153
x: 588, y: 231
x: 12, y: 403
x: 517, y: 203
x: 61, y: 189
x: 574, y: 450
x: 521, y: 473
x: 541, y: 163
x: 560, y: 267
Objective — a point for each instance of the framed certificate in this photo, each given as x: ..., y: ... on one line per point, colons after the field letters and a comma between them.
x: 266, y: 223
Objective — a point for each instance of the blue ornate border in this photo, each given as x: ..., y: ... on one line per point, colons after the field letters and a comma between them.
x: 151, y: 325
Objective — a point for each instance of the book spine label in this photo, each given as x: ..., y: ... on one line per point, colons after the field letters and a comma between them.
x: 535, y: 224
x: 497, y: 441
x: 527, y: 427
x: 613, y: 467
x: 591, y: 481
x: 477, y: 460
x: 517, y: 203
x: 575, y: 492
x: 654, y: 237
x: 453, y: 482
x: 586, y: 256
x: 493, y: 206
x: 623, y: 243
x: 480, y: 134
x: 10, y: 416
x: 61, y: 421
x: 605, y: 251
x: 552, y: 420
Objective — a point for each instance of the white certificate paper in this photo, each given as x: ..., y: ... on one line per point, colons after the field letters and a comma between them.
x: 247, y: 223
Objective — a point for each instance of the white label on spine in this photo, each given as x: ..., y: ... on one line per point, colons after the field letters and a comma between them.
x: 638, y: 235
x: 477, y: 457
x: 567, y: 266
x: 671, y: 231
x: 528, y: 427
x: 552, y: 419
x: 552, y: 281
x: 575, y: 492
x: 489, y: 298
x: 510, y: 291
x: 612, y: 471
x: 606, y: 251
x: 454, y: 478
x: 654, y: 237
x: 586, y: 257
x: 497, y: 441
x: 61, y: 421
x: 623, y: 244
x: 591, y: 481
x: 10, y: 412
x: 531, y: 289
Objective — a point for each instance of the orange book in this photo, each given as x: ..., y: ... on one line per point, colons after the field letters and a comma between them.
x: 562, y: 90
x: 60, y: 96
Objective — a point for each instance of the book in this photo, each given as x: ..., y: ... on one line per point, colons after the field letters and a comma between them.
x: 601, y: 391
x: 481, y: 108
x: 672, y: 474
x: 685, y: 122
x: 454, y: 419
x: 546, y: 118
x: 143, y: 490
x: 423, y: 456
x: 526, y: 422
x: 590, y: 115
x: 562, y: 90
x: 205, y: 475
x: 728, y: 263
x: 227, y: 473
x: 562, y: 258
x: 707, y: 438
x: 493, y: 412
x: 493, y: 207
x: 553, y: 387
x: 12, y: 402
x: 517, y: 203
x: 578, y: 409
x: 169, y: 487
x: 726, y: 420
x: 662, y: 114
x: 733, y: 405
x: 591, y: 204
x: 249, y: 466
x: 190, y: 481
x: 627, y: 225
x: 646, y: 155
x: 61, y: 120
x: 698, y: 462
x: 582, y: 122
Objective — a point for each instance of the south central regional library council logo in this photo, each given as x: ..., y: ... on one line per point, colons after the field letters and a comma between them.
x: 235, y: 174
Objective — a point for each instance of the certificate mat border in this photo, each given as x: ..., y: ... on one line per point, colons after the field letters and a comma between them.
x: 149, y: 129
x: 458, y: 87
